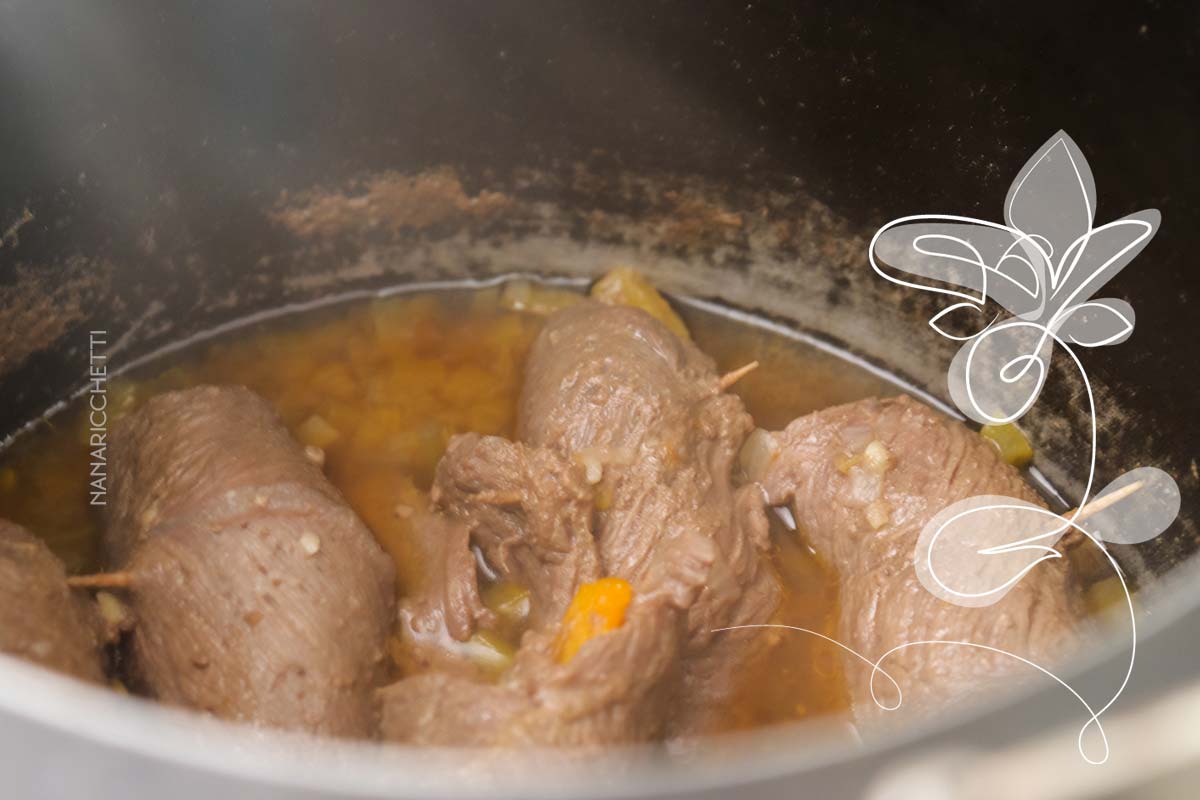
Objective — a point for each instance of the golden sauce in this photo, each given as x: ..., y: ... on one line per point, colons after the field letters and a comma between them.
x: 382, y: 384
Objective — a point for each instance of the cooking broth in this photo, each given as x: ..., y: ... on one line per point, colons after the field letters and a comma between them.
x: 381, y: 384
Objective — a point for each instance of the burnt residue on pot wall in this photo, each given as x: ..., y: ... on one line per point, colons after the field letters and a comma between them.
x: 187, y: 165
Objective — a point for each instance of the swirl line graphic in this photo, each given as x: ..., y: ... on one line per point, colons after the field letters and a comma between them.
x: 1043, y: 265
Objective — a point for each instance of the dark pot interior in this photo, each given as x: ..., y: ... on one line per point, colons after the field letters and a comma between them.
x: 745, y: 154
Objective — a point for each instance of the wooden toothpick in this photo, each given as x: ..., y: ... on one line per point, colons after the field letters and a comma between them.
x: 102, y: 580
x: 1073, y: 536
x: 730, y: 378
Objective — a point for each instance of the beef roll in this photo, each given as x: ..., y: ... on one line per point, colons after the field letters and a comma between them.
x: 41, y: 618
x: 644, y: 411
x: 259, y: 595
x: 863, y: 480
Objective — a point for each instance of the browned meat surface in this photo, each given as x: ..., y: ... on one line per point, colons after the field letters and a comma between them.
x: 607, y: 376
x: 186, y: 448
x: 616, y: 689
x: 529, y: 511
x: 624, y: 470
x: 611, y: 388
x: 448, y: 604
x: 612, y: 692
x: 41, y: 618
x: 258, y: 593
x: 933, y: 462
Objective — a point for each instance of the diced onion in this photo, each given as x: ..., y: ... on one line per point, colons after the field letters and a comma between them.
x: 533, y: 299
x: 317, y: 431
x: 509, y: 600
x: 1105, y: 597
x: 876, y: 457
x: 878, y: 514
x: 595, y: 459
x: 314, y: 454
x: 310, y: 543
x: 593, y: 467
x: 489, y: 651
x: 757, y: 453
x: 1011, y: 442
x: 112, y: 610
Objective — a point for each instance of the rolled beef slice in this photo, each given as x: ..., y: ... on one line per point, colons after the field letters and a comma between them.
x: 259, y: 595
x: 529, y: 512
x: 41, y: 618
x: 624, y: 471
x: 932, y: 462
x: 642, y: 409
x: 617, y: 689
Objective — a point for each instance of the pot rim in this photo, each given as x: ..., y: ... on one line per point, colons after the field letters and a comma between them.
x: 135, y: 726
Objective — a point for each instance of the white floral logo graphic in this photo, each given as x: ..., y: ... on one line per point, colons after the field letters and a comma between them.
x: 1043, y: 265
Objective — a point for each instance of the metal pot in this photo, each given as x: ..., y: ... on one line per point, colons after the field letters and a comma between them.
x: 170, y: 169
